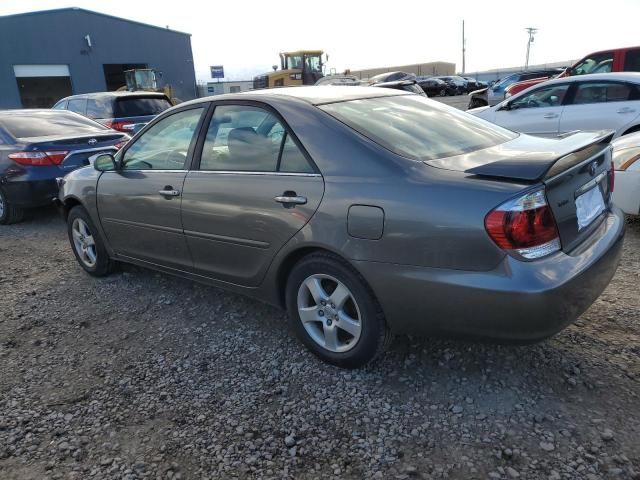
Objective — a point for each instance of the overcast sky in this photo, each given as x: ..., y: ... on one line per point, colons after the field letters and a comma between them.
x: 246, y: 36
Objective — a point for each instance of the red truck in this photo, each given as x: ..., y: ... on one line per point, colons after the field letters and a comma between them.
x: 617, y: 60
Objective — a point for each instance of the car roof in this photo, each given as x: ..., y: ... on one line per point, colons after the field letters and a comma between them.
x: 633, y: 77
x: 314, y: 95
x: 116, y: 95
x: 30, y: 112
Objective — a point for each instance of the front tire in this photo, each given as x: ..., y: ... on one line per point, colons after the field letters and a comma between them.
x: 334, y: 313
x: 9, y: 213
x: 87, y: 244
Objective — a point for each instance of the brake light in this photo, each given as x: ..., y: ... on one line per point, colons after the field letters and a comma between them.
x: 524, y: 226
x: 39, y: 158
x: 120, y: 126
x: 119, y: 145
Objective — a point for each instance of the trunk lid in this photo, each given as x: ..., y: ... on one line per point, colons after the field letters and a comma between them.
x: 80, y: 148
x: 574, y: 168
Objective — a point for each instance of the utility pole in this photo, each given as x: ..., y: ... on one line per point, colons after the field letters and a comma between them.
x: 464, y: 41
x: 531, y: 31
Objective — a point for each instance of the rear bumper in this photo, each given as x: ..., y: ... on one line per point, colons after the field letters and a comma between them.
x: 31, y: 193
x: 517, y: 301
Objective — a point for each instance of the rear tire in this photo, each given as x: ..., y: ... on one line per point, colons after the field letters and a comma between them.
x: 9, y: 213
x: 343, y: 323
x: 87, y: 244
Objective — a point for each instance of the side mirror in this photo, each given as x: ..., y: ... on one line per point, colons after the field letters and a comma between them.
x: 103, y: 162
x: 506, y: 105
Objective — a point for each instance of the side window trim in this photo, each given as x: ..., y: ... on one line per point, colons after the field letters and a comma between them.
x: 197, y: 131
x: 197, y: 154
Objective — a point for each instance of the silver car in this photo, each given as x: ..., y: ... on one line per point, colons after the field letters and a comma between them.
x: 364, y: 211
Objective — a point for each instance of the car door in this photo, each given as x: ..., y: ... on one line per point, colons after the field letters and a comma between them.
x: 597, y: 105
x: 536, y: 112
x: 254, y: 188
x: 139, y: 204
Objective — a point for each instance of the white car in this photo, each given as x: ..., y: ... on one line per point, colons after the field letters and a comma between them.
x: 626, y: 160
x: 604, y: 101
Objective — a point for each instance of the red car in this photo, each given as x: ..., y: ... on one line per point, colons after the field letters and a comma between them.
x: 618, y: 60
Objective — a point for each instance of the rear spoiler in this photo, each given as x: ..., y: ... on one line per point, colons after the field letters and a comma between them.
x: 573, y: 148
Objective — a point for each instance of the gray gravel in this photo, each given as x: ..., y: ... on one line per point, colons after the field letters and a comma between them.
x: 142, y: 375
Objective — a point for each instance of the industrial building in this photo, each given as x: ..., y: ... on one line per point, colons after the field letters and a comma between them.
x: 229, y: 86
x: 47, y: 55
x: 419, y: 69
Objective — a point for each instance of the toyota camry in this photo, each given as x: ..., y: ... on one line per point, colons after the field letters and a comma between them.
x: 365, y: 212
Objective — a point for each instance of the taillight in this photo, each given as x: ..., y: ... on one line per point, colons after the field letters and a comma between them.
x: 39, y: 158
x: 119, y: 145
x: 126, y: 127
x: 524, y: 226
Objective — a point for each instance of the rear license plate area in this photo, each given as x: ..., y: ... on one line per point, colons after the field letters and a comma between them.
x: 589, y: 206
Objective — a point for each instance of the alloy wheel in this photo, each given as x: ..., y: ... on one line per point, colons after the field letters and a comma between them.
x: 329, y: 313
x: 84, y: 243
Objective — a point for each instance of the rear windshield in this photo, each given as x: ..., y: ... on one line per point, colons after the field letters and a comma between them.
x: 140, y: 106
x: 45, y: 124
x: 418, y: 128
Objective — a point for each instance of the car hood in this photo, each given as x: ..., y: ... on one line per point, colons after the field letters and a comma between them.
x: 526, y: 157
x: 476, y: 111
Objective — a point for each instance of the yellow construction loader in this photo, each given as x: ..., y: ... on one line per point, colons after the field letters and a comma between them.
x: 146, y: 80
x: 303, y: 67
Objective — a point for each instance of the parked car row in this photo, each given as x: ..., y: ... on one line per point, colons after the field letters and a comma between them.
x: 356, y: 208
x: 609, y: 101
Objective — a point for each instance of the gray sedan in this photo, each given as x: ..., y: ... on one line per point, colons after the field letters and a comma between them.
x: 363, y: 211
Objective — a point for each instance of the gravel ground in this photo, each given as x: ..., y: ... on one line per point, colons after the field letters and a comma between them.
x: 142, y: 375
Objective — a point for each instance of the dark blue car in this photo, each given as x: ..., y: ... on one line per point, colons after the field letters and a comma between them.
x: 38, y: 146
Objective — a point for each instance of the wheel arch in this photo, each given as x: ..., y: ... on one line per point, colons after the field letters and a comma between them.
x: 634, y: 128
x: 68, y: 204
x: 293, y: 257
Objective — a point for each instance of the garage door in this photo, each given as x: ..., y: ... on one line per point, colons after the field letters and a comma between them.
x: 41, y: 86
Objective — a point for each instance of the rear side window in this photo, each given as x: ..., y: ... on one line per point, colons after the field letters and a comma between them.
x: 99, y: 108
x: 61, y: 105
x: 250, y: 139
x: 600, y: 92
x: 418, y: 128
x: 140, y: 106
x: 49, y: 124
x: 78, y: 105
x: 632, y: 61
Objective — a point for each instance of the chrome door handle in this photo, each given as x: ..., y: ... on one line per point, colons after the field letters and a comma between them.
x: 169, y: 193
x: 551, y: 115
x: 626, y: 110
x: 293, y: 200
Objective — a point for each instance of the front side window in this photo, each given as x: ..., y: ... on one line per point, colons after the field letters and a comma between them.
x: 601, y: 63
x: 600, y: 92
x: 248, y: 139
x: 165, y: 146
x: 294, y: 61
x: 418, y: 128
x: 551, y: 96
x: 61, y: 105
